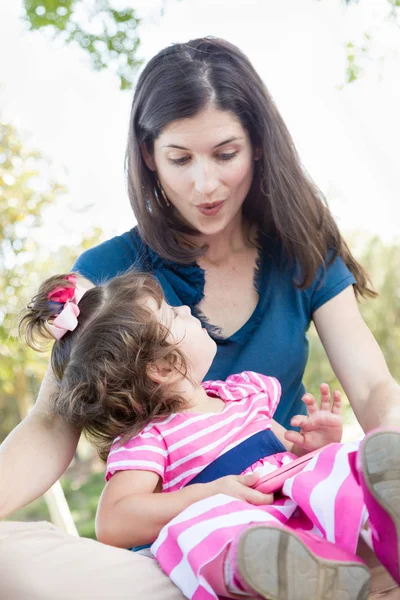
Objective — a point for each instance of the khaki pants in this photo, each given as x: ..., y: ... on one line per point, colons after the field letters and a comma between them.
x: 40, y: 562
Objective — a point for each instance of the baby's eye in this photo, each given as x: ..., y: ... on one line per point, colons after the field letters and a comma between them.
x: 175, y: 311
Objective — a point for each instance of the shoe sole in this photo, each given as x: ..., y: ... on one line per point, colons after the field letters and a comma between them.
x: 276, y: 564
x: 381, y: 468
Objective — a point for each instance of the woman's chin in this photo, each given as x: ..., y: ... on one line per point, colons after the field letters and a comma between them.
x: 210, y: 226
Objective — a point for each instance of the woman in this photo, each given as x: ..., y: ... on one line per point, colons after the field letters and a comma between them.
x: 230, y: 225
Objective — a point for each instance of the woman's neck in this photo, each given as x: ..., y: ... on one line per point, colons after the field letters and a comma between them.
x: 232, y: 239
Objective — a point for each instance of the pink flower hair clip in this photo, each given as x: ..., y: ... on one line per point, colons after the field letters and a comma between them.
x: 67, y: 319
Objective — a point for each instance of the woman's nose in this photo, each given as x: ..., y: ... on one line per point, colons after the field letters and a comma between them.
x: 205, y: 180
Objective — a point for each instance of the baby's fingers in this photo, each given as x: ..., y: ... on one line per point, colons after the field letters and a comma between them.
x: 299, y: 420
x: 258, y: 498
x: 295, y: 437
x: 337, y: 403
x: 325, y: 396
x: 311, y: 403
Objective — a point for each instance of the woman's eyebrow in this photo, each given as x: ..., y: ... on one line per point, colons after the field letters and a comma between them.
x: 228, y: 141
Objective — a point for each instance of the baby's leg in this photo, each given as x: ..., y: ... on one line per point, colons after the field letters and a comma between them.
x: 215, y: 548
x: 328, y: 493
x: 189, y: 548
x: 282, y: 564
x: 377, y: 467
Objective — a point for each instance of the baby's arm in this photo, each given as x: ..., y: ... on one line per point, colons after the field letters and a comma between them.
x: 321, y: 426
x: 132, y: 509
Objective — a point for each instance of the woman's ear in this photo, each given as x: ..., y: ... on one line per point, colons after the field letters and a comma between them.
x: 162, y: 372
x: 148, y: 158
x: 258, y: 153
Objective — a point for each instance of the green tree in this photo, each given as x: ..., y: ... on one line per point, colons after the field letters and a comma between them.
x: 26, y: 190
x: 109, y: 36
x: 358, y: 54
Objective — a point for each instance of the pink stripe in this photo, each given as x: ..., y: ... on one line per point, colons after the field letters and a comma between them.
x: 203, y: 594
x: 305, y: 481
x: 204, y: 459
x: 349, y: 508
x: 174, y: 530
x: 169, y: 557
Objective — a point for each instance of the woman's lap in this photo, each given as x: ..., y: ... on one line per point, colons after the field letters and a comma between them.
x: 40, y: 562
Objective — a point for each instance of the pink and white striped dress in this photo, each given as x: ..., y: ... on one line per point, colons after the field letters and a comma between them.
x: 323, y: 498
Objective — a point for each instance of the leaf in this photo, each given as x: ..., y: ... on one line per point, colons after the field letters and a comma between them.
x: 109, y: 37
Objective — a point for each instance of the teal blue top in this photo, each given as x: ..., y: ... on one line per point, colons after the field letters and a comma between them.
x: 274, y: 339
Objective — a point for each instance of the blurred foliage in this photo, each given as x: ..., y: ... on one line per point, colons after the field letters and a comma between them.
x: 108, y: 36
x: 358, y: 54
x: 26, y: 190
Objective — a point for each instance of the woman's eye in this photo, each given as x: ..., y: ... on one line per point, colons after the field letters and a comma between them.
x: 179, y: 161
x: 227, y: 156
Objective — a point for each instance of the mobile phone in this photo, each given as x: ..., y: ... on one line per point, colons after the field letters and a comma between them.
x: 272, y: 482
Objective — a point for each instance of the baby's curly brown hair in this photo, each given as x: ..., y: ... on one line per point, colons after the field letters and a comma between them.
x: 101, y: 367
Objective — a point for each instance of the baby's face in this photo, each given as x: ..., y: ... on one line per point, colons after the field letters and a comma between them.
x: 187, y: 332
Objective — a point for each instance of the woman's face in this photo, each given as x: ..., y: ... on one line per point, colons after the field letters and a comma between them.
x: 205, y: 166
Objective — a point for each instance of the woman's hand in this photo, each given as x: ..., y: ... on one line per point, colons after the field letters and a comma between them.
x: 240, y: 486
x: 321, y: 426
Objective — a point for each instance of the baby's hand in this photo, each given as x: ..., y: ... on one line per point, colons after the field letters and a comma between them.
x: 322, y: 425
x: 241, y: 487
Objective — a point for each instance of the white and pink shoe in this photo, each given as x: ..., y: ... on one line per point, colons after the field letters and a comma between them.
x: 378, y: 472
x: 279, y: 563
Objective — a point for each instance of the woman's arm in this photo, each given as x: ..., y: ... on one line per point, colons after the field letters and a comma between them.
x: 358, y: 362
x: 37, y: 452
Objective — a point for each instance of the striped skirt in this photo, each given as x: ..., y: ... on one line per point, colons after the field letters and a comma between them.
x: 323, y: 498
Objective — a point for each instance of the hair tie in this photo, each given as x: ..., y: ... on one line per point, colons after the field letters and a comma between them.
x: 67, y: 318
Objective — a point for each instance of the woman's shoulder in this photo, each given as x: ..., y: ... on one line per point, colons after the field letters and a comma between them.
x: 282, y: 276
x: 112, y: 257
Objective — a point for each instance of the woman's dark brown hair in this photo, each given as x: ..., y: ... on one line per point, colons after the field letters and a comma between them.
x: 101, y: 366
x: 179, y: 82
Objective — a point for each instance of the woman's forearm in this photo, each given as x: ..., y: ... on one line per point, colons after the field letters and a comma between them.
x: 32, y: 458
x: 35, y: 454
x: 137, y: 519
x: 381, y: 408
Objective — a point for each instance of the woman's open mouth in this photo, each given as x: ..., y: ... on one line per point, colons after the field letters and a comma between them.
x: 210, y: 209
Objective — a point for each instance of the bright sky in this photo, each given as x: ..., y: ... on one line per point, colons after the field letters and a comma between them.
x: 348, y: 139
